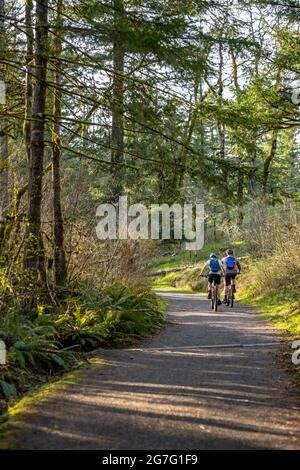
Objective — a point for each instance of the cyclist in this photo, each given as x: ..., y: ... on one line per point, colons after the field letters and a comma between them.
x: 215, y: 270
x: 231, y: 267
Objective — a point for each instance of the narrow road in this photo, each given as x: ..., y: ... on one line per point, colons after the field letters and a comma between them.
x: 209, y: 381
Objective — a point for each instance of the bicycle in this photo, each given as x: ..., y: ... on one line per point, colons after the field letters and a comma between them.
x: 214, y: 294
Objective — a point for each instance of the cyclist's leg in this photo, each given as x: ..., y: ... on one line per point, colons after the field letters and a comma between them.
x: 218, y: 282
x: 225, y: 287
x: 233, y: 283
x: 209, y: 289
x: 209, y: 286
x: 212, y: 294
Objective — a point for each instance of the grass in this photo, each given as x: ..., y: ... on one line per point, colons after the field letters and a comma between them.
x: 283, y: 314
x: 181, y: 257
x: 186, y: 281
x: 11, y: 422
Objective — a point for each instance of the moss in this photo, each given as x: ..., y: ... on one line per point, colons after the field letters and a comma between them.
x: 10, y: 423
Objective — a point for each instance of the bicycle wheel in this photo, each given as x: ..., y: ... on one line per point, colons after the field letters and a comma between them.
x: 232, y: 296
x: 212, y: 298
x: 216, y: 298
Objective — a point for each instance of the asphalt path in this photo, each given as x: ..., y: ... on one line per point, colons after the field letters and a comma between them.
x: 208, y: 381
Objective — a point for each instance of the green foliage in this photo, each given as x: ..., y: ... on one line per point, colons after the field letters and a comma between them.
x: 131, y: 313
x: 32, y: 345
x: 79, y: 327
x: 116, y: 314
x: 8, y: 390
x: 54, y: 342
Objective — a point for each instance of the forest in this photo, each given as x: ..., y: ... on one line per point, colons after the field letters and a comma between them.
x: 162, y: 101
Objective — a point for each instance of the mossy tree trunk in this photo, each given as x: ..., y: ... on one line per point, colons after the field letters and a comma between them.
x: 60, y: 267
x: 29, y: 73
x: 34, y: 256
x: 4, y: 163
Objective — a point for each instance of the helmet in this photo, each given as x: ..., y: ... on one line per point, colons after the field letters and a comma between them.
x: 229, y: 252
x: 213, y: 255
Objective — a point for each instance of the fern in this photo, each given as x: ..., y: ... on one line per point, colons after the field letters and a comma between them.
x: 9, y: 390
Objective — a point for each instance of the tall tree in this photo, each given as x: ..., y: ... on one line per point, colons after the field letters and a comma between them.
x: 117, y: 131
x: 3, y: 127
x: 34, y: 257
x: 29, y: 74
x: 60, y: 267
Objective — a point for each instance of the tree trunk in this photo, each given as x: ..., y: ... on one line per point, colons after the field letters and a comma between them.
x: 241, y: 178
x: 29, y: 73
x: 3, y: 131
x: 221, y: 130
x: 4, y: 172
x: 240, y: 201
x: 220, y: 125
x: 34, y: 249
x: 117, y: 136
x: 60, y: 267
x: 179, y: 172
x: 251, y: 182
x: 268, y: 161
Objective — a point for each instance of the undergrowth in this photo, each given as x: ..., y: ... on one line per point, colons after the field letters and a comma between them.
x: 272, y: 279
x: 57, y: 339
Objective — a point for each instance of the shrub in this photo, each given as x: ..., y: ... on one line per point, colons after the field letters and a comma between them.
x: 273, y: 279
x: 53, y: 341
x: 30, y: 347
x: 115, y: 314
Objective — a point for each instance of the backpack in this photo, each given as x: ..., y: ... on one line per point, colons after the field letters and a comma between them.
x: 230, y: 262
x: 214, y: 265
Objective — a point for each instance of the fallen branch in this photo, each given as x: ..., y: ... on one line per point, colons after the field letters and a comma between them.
x: 167, y: 271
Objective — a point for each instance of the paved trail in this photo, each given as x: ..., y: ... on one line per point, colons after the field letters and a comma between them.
x: 192, y: 387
